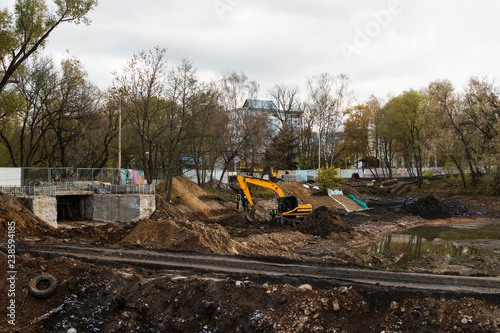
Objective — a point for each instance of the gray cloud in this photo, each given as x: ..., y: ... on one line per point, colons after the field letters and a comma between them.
x: 289, y: 41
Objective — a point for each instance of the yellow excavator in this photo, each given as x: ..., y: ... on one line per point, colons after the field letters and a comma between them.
x: 288, y: 206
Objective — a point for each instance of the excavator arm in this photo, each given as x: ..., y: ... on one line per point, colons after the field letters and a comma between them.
x: 287, y: 205
x: 244, y: 181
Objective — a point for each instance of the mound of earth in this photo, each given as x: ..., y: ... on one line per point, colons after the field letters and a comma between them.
x: 166, y: 211
x: 305, y: 195
x: 109, y: 233
x: 12, y: 209
x: 189, y: 201
x: 322, y: 222
x: 171, y: 235
x: 429, y: 208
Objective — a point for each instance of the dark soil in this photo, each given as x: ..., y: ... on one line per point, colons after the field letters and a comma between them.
x: 431, y: 208
x: 322, y: 222
x: 98, y: 299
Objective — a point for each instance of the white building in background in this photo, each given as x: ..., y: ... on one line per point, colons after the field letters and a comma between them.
x: 269, y: 108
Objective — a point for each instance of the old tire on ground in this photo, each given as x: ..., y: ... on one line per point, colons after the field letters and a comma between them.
x: 42, y: 293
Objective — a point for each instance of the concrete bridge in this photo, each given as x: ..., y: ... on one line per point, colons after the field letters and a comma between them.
x: 86, y: 200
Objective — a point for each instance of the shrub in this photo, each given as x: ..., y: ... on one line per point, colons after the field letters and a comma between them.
x: 328, y: 178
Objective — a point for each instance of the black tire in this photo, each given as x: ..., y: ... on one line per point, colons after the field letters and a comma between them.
x: 42, y: 293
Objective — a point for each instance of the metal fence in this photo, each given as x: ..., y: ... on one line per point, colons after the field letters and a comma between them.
x: 42, y: 176
x: 29, y: 191
x: 71, y: 181
x: 125, y: 189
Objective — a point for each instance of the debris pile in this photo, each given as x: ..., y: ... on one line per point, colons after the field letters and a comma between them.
x: 429, y: 208
x: 179, y: 235
x: 322, y: 222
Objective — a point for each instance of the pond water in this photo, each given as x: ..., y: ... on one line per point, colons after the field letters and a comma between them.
x: 448, y: 240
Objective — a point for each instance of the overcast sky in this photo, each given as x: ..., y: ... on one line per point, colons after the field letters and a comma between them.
x: 384, y: 46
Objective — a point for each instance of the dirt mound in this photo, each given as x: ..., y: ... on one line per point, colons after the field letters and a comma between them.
x: 189, y: 236
x: 429, y: 208
x: 12, y: 209
x: 186, y: 202
x: 109, y: 233
x: 322, y: 222
x: 305, y: 195
x: 165, y: 210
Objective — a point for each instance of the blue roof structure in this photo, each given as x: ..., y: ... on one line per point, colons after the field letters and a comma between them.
x: 260, y: 104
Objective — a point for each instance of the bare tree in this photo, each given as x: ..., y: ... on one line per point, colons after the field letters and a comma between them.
x: 235, y: 88
x: 329, y: 98
x: 23, y: 132
x: 286, y: 98
x: 184, y: 97
x: 238, y: 127
x: 141, y: 86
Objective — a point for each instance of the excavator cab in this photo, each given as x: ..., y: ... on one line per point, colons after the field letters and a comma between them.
x: 288, y: 206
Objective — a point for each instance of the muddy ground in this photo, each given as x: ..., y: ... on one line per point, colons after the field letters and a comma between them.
x: 103, y: 299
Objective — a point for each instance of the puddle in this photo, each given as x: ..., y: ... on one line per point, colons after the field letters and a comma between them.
x: 449, y: 240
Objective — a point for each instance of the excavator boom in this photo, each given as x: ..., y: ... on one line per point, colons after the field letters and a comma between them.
x: 287, y: 205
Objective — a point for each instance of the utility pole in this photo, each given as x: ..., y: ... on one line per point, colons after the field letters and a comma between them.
x: 319, y: 150
x: 120, y: 136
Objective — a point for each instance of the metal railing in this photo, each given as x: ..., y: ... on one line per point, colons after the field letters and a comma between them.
x: 76, y: 188
x: 125, y: 189
x: 29, y: 191
x: 74, y: 181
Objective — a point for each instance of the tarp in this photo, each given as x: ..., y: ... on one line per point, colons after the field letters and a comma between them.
x: 123, y: 177
x: 359, y: 202
x: 138, y: 177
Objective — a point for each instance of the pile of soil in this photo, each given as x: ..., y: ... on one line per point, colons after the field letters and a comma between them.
x: 187, y: 193
x: 429, y: 208
x: 189, y: 202
x: 12, y: 209
x: 307, y: 196
x: 179, y: 235
x: 322, y: 222
x: 165, y: 210
x: 109, y: 233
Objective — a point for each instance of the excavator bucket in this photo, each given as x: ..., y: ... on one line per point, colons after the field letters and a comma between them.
x: 250, y: 216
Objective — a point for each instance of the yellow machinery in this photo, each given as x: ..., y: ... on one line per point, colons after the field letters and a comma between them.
x: 288, y: 206
x: 260, y: 168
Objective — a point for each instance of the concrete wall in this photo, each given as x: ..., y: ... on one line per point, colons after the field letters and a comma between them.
x: 45, y: 208
x: 119, y: 207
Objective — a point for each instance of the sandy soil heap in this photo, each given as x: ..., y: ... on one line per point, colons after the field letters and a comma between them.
x: 306, y: 195
x: 27, y: 223
x: 180, y: 235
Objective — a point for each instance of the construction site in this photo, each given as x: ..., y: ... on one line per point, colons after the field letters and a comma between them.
x: 125, y: 259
